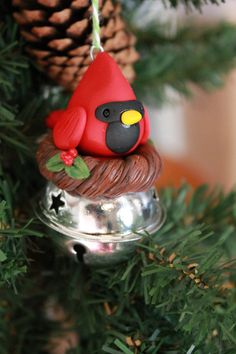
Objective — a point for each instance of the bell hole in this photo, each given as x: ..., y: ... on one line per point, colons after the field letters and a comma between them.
x: 56, y: 203
x: 154, y: 195
x: 80, y: 252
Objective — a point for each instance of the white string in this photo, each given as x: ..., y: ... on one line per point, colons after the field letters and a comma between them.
x: 96, y: 29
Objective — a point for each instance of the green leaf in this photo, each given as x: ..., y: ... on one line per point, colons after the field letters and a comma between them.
x: 79, y: 170
x: 55, y: 164
x: 3, y: 256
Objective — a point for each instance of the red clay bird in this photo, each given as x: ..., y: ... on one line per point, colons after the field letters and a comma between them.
x: 103, y: 117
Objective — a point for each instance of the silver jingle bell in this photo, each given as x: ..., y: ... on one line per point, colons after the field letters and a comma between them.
x: 102, y: 231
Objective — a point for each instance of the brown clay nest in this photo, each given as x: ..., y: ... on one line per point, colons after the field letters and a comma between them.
x: 109, y: 177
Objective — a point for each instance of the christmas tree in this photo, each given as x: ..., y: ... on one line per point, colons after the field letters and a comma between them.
x: 176, y: 293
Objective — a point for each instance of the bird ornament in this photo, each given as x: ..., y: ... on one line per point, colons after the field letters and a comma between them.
x: 103, y: 117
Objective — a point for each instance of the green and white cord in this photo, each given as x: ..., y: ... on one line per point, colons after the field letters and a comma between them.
x: 96, y: 28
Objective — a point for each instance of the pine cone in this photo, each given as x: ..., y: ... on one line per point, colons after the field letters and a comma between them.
x: 58, y: 35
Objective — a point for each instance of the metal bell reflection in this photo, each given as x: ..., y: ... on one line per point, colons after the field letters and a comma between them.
x: 101, y: 231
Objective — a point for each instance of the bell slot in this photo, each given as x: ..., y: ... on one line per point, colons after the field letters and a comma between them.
x: 80, y: 252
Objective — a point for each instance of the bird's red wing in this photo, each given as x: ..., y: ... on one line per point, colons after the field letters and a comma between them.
x: 146, y: 132
x: 69, y: 129
x: 54, y: 117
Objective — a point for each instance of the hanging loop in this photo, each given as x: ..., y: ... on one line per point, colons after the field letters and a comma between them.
x: 93, y: 48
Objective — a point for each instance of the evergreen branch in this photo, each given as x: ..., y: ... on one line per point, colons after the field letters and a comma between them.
x: 13, y: 64
x: 22, y: 94
x: 13, y: 232
x: 131, y: 5
x: 175, y: 293
x: 192, y: 55
x: 193, y: 3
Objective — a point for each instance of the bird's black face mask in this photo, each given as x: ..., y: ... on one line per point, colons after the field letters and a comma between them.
x: 122, y: 118
x: 125, y: 112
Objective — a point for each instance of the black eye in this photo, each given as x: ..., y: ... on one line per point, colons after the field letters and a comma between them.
x: 106, y: 113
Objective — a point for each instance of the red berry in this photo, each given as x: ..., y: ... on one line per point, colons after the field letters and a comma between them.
x: 66, y: 158
x: 73, y: 152
x: 68, y: 162
x: 63, y: 155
